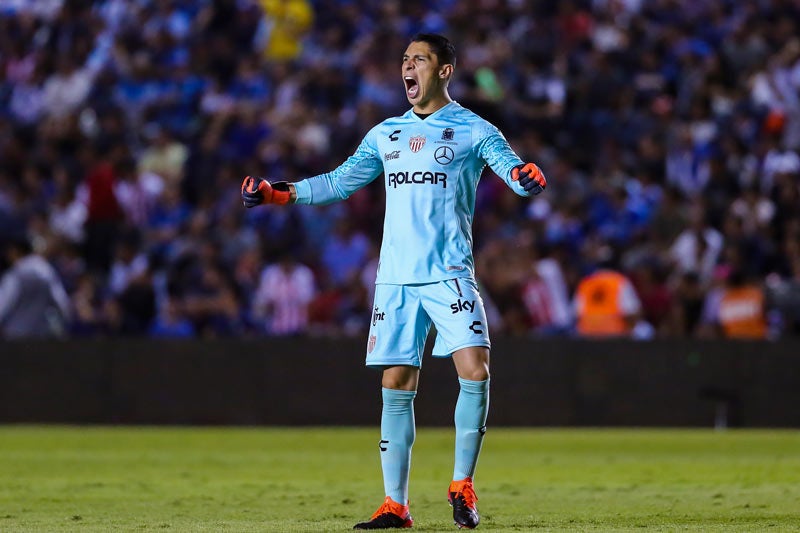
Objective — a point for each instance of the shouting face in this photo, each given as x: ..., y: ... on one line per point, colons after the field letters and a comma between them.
x: 424, y: 78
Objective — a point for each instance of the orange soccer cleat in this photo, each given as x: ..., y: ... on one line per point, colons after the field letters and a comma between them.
x: 388, y: 516
x: 462, y: 497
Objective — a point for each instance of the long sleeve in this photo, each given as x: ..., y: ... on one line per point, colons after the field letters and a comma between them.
x: 493, y: 148
x: 356, y: 172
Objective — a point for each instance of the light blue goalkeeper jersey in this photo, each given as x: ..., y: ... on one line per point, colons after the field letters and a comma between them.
x: 431, y: 171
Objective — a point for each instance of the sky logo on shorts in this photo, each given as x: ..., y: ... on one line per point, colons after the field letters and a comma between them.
x: 463, y: 305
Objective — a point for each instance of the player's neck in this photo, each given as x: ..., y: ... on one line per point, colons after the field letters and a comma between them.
x: 433, y: 105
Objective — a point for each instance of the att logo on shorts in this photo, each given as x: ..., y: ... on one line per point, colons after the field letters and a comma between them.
x: 376, y: 316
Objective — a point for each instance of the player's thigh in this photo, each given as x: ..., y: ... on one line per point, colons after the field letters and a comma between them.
x: 456, y: 309
x: 398, y: 327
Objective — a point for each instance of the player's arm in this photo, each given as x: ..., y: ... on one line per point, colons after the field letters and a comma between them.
x: 525, y: 179
x: 356, y: 172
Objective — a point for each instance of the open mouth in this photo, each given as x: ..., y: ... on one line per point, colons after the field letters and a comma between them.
x: 412, y: 87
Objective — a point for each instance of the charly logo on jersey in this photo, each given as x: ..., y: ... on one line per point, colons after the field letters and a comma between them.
x: 391, y: 155
x: 444, y: 155
x: 416, y: 143
x: 393, y: 136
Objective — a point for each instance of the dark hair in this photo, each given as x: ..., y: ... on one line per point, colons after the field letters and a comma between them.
x: 440, y: 45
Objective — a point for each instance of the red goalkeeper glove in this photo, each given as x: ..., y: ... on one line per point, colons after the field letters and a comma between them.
x: 257, y: 191
x: 530, y: 177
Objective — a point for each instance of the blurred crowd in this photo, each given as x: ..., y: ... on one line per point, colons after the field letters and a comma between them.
x: 669, y: 132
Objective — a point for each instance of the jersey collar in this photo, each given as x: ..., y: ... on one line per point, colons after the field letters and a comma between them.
x: 410, y: 113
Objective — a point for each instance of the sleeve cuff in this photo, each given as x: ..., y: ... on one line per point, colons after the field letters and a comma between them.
x: 302, y: 191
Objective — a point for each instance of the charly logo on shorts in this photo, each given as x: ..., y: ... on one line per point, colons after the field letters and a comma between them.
x: 416, y: 143
x: 371, y: 343
x: 444, y: 155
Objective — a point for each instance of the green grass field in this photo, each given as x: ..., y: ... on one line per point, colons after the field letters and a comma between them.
x: 221, y: 479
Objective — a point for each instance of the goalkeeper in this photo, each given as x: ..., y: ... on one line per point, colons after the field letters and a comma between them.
x: 431, y: 158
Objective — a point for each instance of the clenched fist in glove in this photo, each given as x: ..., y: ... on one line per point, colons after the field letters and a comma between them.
x: 530, y: 177
x: 257, y: 191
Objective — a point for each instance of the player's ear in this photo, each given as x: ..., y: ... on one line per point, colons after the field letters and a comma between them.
x: 446, y: 71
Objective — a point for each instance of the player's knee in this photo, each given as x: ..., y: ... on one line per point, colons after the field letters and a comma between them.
x: 477, y: 373
x: 472, y: 363
x: 400, y: 378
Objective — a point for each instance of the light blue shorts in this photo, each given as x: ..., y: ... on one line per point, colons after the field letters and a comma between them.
x: 402, y: 316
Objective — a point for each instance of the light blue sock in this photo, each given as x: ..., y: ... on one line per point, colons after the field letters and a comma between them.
x: 397, y: 437
x: 470, y: 418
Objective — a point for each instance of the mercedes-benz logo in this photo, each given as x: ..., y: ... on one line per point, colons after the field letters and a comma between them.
x: 444, y: 155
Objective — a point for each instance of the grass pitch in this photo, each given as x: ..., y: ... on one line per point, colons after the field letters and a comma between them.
x: 220, y: 479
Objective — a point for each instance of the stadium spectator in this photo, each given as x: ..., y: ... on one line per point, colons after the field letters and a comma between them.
x: 163, y: 156
x: 649, y: 280
x: 67, y: 213
x: 130, y: 312
x: 345, y: 252
x: 282, y: 27
x: 168, y: 219
x: 65, y: 89
x: 606, y: 304
x: 137, y: 193
x: 88, y: 317
x: 33, y: 302
x: 171, y: 321
x: 698, y: 247
x: 104, y: 215
x: 282, y: 297
x: 128, y: 264
x: 740, y: 309
x: 690, y: 297
x: 211, y: 302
